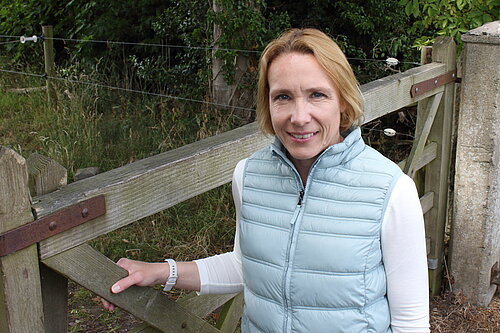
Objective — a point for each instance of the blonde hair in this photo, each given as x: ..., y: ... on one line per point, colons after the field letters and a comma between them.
x: 331, y: 59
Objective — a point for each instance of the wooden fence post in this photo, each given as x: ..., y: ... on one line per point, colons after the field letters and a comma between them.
x: 20, y: 292
x: 50, y: 67
x: 437, y: 173
x: 46, y: 175
x: 475, y: 246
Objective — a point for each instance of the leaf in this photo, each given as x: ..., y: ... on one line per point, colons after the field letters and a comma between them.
x: 416, y: 10
x: 408, y: 8
x: 486, y: 18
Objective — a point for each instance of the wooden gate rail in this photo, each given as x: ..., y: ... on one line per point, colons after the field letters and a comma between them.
x: 153, y: 184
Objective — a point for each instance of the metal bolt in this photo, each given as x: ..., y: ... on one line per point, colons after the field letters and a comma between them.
x: 435, y: 82
x: 85, y: 212
x: 453, y: 75
x: 184, y: 325
x: 416, y: 89
x: 52, y: 226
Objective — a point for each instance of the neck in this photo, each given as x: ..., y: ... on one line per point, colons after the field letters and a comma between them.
x: 303, y: 167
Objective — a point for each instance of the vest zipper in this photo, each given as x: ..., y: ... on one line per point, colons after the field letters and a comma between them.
x: 301, y: 196
x: 286, y: 276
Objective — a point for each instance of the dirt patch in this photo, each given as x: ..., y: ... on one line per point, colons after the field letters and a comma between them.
x: 453, y: 313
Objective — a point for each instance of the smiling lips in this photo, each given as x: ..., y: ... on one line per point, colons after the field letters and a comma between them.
x: 302, y: 136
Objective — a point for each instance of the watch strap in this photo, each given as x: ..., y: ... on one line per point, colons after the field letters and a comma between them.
x: 172, y: 276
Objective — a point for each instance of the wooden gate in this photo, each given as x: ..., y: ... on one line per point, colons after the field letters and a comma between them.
x: 31, y: 301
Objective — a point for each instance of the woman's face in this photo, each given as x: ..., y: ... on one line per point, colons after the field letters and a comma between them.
x: 304, y: 105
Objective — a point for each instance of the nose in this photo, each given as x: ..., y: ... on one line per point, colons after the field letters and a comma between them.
x: 300, y: 113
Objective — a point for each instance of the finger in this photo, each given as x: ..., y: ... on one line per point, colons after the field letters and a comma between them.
x: 125, y: 283
x: 124, y: 263
x: 107, y: 305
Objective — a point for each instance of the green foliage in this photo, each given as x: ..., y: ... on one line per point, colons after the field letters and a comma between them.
x: 80, y: 19
x: 371, y: 29
x: 449, y: 17
x: 246, y: 25
x: 187, y: 72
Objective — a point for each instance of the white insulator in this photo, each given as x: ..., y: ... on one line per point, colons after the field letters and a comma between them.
x: 392, y: 61
x: 28, y: 39
x: 389, y: 132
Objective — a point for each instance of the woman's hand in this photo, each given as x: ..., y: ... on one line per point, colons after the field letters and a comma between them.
x: 139, y: 273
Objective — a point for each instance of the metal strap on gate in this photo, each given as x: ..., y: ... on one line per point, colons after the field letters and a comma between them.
x: 422, y: 87
x: 50, y: 225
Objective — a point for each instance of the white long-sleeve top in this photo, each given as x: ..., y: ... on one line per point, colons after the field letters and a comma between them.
x: 403, y: 253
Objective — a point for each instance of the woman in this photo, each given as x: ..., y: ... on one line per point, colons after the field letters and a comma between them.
x: 330, y: 234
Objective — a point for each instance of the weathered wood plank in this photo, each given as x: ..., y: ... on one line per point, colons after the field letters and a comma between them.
x: 421, y: 136
x: 150, y: 185
x: 427, y: 201
x: 437, y: 173
x: 200, y: 306
x: 203, y: 305
x: 20, y: 292
x: 230, y: 315
x: 427, y: 155
x: 391, y: 93
x: 94, y: 271
x: 44, y: 176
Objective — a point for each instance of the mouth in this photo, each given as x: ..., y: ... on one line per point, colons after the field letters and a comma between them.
x: 302, y: 136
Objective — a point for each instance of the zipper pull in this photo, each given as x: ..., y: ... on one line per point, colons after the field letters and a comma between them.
x: 301, y: 196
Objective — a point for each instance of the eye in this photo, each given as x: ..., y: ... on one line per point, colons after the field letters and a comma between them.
x: 317, y: 94
x: 281, y: 97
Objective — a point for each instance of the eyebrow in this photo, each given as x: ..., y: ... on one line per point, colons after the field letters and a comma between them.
x: 309, y: 90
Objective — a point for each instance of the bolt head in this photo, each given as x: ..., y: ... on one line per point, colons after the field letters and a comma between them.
x: 85, y: 212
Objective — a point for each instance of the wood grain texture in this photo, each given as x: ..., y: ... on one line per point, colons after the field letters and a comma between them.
x: 148, y: 186
x: 421, y: 136
x: 20, y: 292
x: 391, y: 93
x: 437, y: 173
x: 203, y: 305
x: 428, y: 154
x: 94, y: 271
x: 200, y: 306
x: 44, y: 176
x: 230, y: 315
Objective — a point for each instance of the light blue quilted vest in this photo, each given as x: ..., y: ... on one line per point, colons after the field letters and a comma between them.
x: 311, y: 257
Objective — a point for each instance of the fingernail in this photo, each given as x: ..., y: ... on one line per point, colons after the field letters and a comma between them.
x: 116, y: 288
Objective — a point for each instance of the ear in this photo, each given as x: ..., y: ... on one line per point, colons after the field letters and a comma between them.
x: 343, y: 105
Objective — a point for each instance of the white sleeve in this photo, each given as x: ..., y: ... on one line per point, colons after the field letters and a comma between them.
x: 222, y: 274
x: 405, y: 259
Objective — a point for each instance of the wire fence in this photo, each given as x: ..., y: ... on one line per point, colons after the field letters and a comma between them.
x: 101, y: 85
x: 390, y: 62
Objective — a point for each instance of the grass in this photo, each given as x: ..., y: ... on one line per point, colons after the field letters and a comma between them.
x: 106, y: 129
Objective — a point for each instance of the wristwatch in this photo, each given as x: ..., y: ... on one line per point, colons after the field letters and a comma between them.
x: 172, y: 276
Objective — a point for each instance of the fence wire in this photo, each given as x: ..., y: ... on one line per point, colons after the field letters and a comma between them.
x: 111, y: 42
x: 102, y: 85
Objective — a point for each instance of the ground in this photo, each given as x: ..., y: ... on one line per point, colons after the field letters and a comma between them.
x: 449, y: 313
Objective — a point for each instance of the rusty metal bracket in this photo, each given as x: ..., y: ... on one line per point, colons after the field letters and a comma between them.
x: 50, y: 225
x: 427, y: 85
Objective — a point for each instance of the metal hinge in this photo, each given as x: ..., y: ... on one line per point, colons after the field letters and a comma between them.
x: 427, y: 85
x: 50, y: 225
